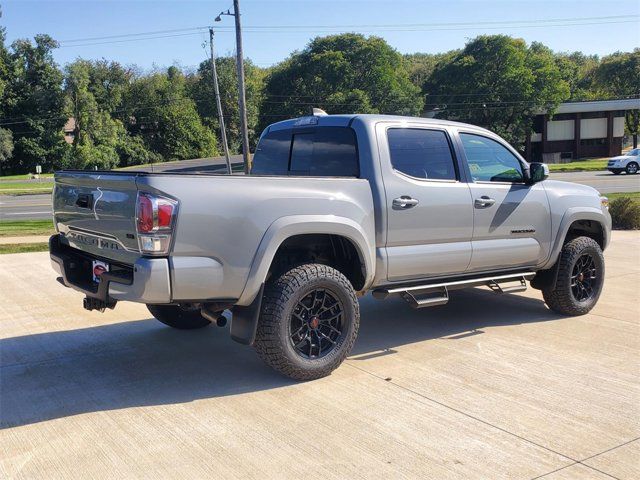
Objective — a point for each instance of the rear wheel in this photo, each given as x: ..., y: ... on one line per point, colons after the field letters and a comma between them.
x: 579, y: 279
x: 632, y: 168
x: 177, y: 317
x: 308, y: 323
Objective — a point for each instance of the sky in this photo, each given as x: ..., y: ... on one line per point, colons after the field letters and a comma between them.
x: 275, y: 28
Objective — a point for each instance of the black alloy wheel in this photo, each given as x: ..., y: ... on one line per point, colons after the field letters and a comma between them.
x: 316, y: 323
x: 584, y: 278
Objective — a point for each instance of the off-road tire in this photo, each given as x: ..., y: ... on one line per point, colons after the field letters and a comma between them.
x: 632, y: 168
x: 281, y: 296
x: 561, y: 298
x: 177, y: 317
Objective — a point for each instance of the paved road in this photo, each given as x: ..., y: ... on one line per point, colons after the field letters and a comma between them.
x: 604, y: 182
x: 39, y: 206
x: 486, y: 387
x: 25, y: 207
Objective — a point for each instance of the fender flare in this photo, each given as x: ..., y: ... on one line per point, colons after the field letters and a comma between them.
x: 289, y: 226
x: 572, y: 215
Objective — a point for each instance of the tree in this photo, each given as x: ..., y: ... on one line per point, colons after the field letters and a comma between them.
x: 4, y: 66
x: 200, y: 90
x: 420, y: 66
x: 498, y: 83
x: 157, y: 108
x: 34, y: 101
x: 6, y: 147
x: 96, y: 134
x: 347, y: 73
x: 618, y: 75
x: 577, y: 70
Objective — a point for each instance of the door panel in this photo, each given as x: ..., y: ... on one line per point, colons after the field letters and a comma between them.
x: 429, y: 221
x: 512, y: 221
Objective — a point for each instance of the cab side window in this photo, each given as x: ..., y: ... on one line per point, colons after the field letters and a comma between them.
x: 421, y: 153
x: 489, y: 161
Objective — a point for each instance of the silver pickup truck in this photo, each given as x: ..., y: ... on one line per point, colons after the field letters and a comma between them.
x: 335, y: 206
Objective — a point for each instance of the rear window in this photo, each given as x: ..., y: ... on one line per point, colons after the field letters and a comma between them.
x: 320, y: 152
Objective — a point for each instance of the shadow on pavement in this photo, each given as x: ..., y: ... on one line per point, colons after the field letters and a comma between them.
x: 52, y: 375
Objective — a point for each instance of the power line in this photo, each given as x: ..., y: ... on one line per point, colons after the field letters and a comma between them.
x: 367, y: 28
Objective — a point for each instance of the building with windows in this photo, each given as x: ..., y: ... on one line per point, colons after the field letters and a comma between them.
x: 579, y: 130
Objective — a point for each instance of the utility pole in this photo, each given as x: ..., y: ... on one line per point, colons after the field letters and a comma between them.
x: 223, y: 132
x: 242, y: 102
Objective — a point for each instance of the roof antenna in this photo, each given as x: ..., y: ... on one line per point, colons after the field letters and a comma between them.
x: 318, y: 112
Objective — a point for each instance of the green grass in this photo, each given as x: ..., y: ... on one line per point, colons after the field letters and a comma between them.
x: 25, y: 176
x: 23, y: 247
x: 25, y: 188
x: 633, y: 195
x: 21, y: 228
x: 592, y: 165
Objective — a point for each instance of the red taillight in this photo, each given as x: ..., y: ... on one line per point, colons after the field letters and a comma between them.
x: 145, y: 214
x: 165, y: 213
x: 154, y: 213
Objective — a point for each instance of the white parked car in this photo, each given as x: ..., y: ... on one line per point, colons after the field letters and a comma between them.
x: 628, y: 162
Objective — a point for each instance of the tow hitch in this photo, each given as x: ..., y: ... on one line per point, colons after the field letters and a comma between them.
x: 90, y: 303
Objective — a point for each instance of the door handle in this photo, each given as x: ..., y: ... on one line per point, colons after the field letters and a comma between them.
x: 405, y: 201
x: 484, y: 202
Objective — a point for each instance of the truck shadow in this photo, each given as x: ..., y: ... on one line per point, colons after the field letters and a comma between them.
x: 139, y: 363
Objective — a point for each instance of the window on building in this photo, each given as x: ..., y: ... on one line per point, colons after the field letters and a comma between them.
x: 421, y: 153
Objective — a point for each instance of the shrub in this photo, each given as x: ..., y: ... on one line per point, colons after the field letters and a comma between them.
x: 625, y: 213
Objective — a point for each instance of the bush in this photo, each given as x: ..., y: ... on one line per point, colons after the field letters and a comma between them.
x: 625, y: 213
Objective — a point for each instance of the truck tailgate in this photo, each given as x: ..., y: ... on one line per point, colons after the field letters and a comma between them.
x: 96, y: 212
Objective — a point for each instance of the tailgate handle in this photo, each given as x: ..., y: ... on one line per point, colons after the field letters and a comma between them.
x: 85, y: 200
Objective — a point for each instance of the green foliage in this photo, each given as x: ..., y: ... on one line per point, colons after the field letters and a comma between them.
x: 497, y: 82
x: 625, y: 213
x: 34, y: 100
x: 619, y: 75
x: 6, y: 146
x: 124, y: 117
x: 347, y: 73
x: 201, y: 91
x: 168, y: 119
x: 577, y: 70
x: 420, y: 66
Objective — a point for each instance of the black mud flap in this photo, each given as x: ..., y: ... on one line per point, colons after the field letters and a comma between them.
x: 244, y: 321
x: 545, y: 278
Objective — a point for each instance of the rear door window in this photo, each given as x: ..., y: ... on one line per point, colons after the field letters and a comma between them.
x: 421, y: 153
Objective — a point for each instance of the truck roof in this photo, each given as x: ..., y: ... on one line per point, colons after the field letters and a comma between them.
x: 344, y: 120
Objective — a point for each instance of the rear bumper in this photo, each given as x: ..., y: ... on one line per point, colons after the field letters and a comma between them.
x: 147, y: 281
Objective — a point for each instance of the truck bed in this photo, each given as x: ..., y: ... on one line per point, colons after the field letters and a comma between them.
x: 221, y: 219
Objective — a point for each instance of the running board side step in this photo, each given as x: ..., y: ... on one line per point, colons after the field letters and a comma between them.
x: 432, y: 294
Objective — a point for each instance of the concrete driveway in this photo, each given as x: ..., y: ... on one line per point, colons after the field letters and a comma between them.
x: 485, y: 387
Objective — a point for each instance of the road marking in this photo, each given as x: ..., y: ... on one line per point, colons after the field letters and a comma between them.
x: 28, y: 205
x: 27, y: 213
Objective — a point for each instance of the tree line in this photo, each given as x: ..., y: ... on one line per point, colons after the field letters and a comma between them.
x: 124, y: 116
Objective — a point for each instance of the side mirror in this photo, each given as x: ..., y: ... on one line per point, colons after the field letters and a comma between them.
x: 537, y: 172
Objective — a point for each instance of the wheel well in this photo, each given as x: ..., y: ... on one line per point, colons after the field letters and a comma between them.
x: 586, y: 228
x: 333, y: 250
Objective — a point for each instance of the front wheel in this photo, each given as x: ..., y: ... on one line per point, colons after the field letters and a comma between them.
x: 178, y: 317
x: 632, y: 168
x: 308, y: 323
x: 579, y: 279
